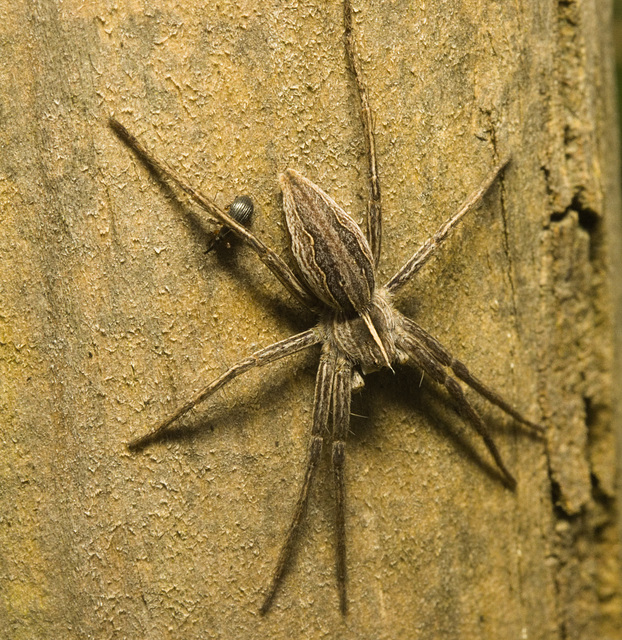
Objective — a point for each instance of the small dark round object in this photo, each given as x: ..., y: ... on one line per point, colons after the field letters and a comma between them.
x: 241, y: 209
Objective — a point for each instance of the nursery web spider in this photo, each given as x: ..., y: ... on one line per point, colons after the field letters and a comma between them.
x: 359, y: 329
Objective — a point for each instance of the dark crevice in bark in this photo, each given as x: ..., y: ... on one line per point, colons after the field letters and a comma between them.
x: 589, y: 219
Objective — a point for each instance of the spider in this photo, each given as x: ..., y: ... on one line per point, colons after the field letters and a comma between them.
x: 359, y: 329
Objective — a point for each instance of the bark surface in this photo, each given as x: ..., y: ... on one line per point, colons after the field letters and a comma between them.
x: 112, y: 316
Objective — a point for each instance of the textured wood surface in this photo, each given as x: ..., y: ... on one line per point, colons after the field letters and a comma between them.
x: 111, y: 316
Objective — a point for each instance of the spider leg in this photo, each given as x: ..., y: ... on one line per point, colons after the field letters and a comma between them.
x: 426, y: 250
x: 440, y: 353
x: 278, y: 267
x: 374, y: 212
x: 342, y: 392
x: 321, y: 410
x: 260, y: 358
x: 426, y: 361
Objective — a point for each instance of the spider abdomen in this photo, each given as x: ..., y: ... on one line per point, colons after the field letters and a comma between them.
x: 333, y: 255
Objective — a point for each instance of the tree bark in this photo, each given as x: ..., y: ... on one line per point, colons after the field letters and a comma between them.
x: 113, y: 316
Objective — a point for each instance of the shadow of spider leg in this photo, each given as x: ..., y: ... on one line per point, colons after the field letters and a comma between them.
x: 431, y: 357
x: 429, y: 247
x: 321, y: 409
x: 442, y: 355
x: 374, y: 203
x: 333, y: 388
x: 260, y: 358
x: 165, y: 172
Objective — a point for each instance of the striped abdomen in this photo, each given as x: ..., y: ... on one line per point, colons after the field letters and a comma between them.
x: 332, y: 253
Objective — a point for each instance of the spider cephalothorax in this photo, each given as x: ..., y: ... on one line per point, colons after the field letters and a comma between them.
x: 351, y: 335
x: 358, y: 328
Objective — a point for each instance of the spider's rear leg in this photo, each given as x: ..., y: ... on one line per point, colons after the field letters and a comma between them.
x: 321, y: 410
x: 342, y: 393
x: 260, y: 358
x: 424, y: 359
x: 440, y: 353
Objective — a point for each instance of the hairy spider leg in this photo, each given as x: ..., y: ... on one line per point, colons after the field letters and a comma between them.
x: 342, y: 393
x: 374, y: 204
x: 260, y: 358
x: 423, y: 359
x: 423, y: 254
x: 321, y: 411
x: 442, y: 356
x: 278, y: 267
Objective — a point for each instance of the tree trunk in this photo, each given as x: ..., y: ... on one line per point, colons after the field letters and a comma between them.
x: 113, y: 316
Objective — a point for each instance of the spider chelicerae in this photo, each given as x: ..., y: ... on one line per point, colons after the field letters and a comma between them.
x: 359, y: 329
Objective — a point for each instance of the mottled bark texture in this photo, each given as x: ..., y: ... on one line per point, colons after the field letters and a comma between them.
x: 112, y: 316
